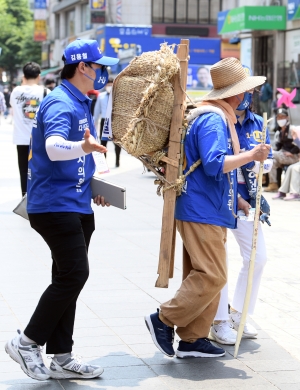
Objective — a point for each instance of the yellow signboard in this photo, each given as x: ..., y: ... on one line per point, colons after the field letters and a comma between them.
x: 40, y: 30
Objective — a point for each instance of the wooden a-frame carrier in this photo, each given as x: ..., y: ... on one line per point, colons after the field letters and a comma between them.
x: 173, y: 170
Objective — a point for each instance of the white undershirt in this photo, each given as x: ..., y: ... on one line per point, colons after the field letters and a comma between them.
x: 267, y: 166
x: 59, y: 149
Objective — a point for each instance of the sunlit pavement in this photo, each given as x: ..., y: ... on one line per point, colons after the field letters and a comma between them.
x: 110, y: 329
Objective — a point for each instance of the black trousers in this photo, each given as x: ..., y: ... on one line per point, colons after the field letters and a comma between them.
x: 104, y: 143
x: 23, y: 151
x: 68, y: 236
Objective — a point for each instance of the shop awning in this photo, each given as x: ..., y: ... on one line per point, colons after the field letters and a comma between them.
x: 252, y: 18
x: 44, y: 72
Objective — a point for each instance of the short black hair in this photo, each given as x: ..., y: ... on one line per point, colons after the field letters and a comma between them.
x: 49, y: 81
x: 31, y: 70
x: 68, y: 71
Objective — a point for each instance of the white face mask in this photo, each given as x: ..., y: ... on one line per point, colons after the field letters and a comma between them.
x: 108, y: 89
x: 281, y: 122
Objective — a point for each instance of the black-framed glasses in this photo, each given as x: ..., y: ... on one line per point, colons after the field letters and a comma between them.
x: 103, y: 67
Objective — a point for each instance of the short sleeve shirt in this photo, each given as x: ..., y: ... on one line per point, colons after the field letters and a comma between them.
x: 209, y: 195
x: 60, y: 186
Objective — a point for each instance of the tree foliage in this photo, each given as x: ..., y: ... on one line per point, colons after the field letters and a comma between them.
x: 16, y: 36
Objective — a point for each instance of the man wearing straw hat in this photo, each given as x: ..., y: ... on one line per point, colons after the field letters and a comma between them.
x: 205, y: 209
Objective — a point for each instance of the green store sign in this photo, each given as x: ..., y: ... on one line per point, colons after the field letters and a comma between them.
x: 252, y: 18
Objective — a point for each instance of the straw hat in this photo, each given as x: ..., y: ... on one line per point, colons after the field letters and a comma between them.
x: 230, y: 79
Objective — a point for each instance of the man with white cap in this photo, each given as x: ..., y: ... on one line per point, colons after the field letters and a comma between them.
x: 60, y: 170
x: 205, y: 209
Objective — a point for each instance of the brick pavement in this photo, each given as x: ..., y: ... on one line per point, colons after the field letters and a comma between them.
x: 109, y: 327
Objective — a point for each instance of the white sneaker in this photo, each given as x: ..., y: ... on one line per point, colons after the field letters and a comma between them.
x: 249, y: 331
x: 73, y: 368
x: 223, y: 333
x: 29, y: 357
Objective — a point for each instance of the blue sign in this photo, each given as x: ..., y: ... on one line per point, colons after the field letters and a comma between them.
x: 128, y: 42
x: 221, y: 19
x: 40, y: 4
x: 292, y: 8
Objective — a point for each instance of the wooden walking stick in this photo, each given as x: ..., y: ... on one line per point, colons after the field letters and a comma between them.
x: 254, y: 246
x: 168, y: 230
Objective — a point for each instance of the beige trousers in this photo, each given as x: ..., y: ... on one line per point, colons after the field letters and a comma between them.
x: 280, y: 159
x: 195, y: 304
x: 291, y: 181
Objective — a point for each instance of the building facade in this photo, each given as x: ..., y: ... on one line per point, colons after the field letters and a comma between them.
x: 71, y: 19
x: 272, y: 52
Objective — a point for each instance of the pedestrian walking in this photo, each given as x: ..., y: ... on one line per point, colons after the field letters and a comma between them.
x: 6, y: 94
x: 2, y: 104
x: 25, y: 101
x: 204, y: 211
x: 50, y: 83
x: 265, y: 98
x: 60, y: 170
x: 224, y: 329
x: 286, y: 152
x: 100, y: 113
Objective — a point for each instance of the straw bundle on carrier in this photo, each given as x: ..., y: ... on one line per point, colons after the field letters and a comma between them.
x: 143, y: 100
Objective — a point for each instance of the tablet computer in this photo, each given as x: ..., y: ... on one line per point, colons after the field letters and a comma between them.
x: 114, y: 194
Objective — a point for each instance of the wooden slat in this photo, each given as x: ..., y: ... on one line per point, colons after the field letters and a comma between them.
x: 168, y: 230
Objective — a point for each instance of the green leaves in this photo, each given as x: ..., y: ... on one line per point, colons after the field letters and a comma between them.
x: 16, y: 35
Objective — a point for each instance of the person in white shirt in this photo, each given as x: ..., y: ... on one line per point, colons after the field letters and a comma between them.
x: 25, y: 100
x: 100, y: 113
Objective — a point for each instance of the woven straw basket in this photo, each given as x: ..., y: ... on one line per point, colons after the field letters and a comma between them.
x: 143, y: 102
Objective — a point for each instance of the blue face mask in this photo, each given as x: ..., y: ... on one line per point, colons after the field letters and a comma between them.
x: 245, y: 103
x: 101, y: 77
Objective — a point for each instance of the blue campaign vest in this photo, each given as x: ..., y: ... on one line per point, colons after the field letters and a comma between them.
x: 250, y: 135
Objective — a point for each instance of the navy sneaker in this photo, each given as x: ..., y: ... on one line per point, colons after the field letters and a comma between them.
x: 199, y: 348
x: 162, y: 335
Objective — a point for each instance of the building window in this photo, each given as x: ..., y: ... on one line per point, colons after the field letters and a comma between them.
x: 186, y: 11
x: 169, y: 11
x: 192, y: 11
x: 57, y: 26
x: 181, y: 11
x: 157, y: 11
x: 85, y: 17
x: 203, y: 12
x: 70, y: 23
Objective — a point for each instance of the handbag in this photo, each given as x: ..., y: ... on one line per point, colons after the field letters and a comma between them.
x: 21, y: 208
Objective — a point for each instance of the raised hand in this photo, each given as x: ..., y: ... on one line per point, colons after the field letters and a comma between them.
x: 90, y: 145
